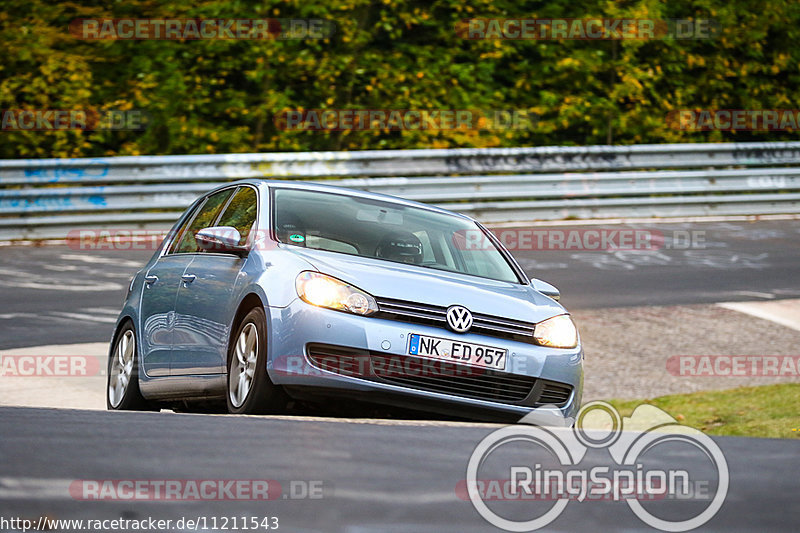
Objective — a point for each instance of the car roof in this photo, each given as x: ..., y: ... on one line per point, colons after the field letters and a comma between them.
x: 320, y: 187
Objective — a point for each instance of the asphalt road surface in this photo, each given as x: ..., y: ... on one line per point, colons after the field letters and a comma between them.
x: 371, y: 475
x: 61, y: 295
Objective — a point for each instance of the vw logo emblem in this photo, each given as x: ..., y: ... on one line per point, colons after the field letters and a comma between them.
x: 459, y: 319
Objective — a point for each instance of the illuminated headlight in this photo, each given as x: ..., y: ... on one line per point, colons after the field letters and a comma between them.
x: 331, y: 293
x: 556, y: 332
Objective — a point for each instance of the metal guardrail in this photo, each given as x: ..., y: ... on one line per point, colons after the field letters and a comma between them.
x: 46, y: 198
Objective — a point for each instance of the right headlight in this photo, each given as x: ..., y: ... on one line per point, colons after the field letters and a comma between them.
x: 326, y: 291
x: 556, y: 332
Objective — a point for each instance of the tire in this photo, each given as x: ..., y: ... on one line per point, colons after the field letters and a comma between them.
x: 122, y: 389
x: 249, y: 389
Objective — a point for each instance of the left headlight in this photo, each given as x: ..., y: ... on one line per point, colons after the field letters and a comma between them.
x: 325, y: 291
x: 556, y: 332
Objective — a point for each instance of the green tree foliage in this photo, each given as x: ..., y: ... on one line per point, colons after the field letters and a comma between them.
x: 222, y: 95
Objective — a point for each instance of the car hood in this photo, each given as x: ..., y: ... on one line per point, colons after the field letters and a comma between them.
x: 385, y: 279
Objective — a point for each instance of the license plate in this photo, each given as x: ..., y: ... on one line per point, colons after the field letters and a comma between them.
x: 465, y: 353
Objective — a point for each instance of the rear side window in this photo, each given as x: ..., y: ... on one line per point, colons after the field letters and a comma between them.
x: 241, y: 212
x: 204, y: 218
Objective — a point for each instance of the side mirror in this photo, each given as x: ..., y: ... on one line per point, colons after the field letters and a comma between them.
x: 546, y: 289
x: 222, y: 239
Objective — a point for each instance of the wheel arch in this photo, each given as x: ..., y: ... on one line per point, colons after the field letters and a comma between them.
x: 122, y: 320
x: 250, y: 301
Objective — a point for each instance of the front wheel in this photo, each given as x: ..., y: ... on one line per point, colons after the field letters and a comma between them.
x: 122, y: 393
x: 250, y: 391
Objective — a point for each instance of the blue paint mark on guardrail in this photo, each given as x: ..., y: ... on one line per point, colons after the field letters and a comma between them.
x: 16, y: 205
x: 53, y: 175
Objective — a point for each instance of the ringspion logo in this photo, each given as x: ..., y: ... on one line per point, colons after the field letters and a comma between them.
x: 547, y: 482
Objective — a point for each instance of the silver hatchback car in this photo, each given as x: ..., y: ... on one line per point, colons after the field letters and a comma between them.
x: 268, y: 291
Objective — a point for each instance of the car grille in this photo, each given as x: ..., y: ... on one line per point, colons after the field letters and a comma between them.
x: 433, y: 315
x: 479, y: 384
x: 340, y: 360
x: 439, y: 376
x: 554, y: 393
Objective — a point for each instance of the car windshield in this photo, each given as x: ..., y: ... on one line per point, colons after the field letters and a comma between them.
x: 388, y: 231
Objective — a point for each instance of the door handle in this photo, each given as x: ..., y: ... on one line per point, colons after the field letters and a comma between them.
x: 150, y: 279
x: 188, y: 278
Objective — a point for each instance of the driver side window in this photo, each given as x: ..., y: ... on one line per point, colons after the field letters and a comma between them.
x: 241, y: 213
x: 205, y: 217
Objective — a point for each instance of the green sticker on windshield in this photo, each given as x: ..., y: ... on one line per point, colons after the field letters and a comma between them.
x: 296, y: 238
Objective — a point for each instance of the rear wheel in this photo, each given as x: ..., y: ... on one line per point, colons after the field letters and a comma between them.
x: 250, y: 391
x: 122, y: 393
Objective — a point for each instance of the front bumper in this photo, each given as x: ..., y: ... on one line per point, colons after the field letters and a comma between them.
x: 299, y: 326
